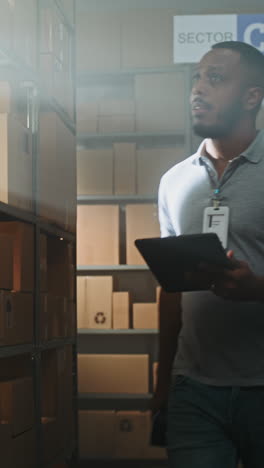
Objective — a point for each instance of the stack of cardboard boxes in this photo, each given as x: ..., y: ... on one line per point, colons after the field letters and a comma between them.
x: 56, y: 48
x: 57, y: 289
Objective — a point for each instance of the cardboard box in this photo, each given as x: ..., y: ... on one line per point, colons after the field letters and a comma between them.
x: 124, y: 168
x: 158, y: 111
x: 116, y: 124
x: 43, y: 262
x: 103, y: 34
x: 25, y: 31
x: 121, y: 302
x: 95, y: 302
x: 141, y: 221
x: 24, y: 450
x: 87, y: 116
x: 99, y: 302
x: 6, y: 25
x: 16, y: 318
x: 16, y: 182
x: 22, y: 235
x: 96, y: 434
x: 131, y: 434
x: 6, y: 261
x: 117, y: 107
x: 155, y: 367
x: 57, y: 382
x: 98, y: 235
x: 50, y: 430
x: 81, y: 301
x: 95, y: 172
x: 152, y: 163
x: 147, y: 38
x: 61, y: 273
x: 17, y: 404
x: 145, y: 316
x: 116, y: 373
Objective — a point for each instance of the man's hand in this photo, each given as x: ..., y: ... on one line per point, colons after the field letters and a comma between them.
x: 238, y: 284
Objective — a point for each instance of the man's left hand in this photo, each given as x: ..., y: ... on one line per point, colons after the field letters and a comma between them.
x: 238, y: 284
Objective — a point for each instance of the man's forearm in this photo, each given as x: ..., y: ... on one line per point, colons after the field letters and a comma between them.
x: 170, y: 325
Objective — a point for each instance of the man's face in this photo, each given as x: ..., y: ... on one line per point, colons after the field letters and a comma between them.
x: 217, y: 94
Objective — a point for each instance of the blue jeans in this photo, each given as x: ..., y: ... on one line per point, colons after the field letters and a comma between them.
x: 214, y: 427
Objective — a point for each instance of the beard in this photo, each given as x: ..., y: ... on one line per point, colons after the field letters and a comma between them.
x: 226, y: 122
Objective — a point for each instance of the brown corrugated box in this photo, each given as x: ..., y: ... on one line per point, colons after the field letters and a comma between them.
x: 95, y: 301
x: 96, y: 434
x: 43, y: 262
x: 95, y: 171
x: 131, y: 434
x: 152, y: 163
x: 17, y: 404
x: 141, y: 221
x: 60, y: 270
x: 16, y: 317
x: 145, y: 315
x: 23, y: 241
x: 6, y: 261
x: 116, y: 373
x: 121, y: 303
x: 16, y: 182
x: 98, y: 235
x: 87, y: 116
x: 20, y: 451
x: 116, y: 123
x: 103, y: 34
x: 160, y: 102
x: 155, y: 367
x: 118, y: 107
x: 124, y: 168
x: 147, y: 38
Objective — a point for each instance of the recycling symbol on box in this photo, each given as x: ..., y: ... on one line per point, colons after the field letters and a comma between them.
x: 100, y: 318
x: 126, y: 425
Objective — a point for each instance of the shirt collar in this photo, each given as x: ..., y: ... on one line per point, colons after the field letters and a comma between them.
x: 254, y: 152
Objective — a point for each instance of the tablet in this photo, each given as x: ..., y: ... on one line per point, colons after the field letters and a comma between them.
x: 170, y: 258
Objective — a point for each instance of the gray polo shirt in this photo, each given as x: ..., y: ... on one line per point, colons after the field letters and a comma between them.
x: 221, y: 342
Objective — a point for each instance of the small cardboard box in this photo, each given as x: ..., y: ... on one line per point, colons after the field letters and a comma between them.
x: 6, y: 261
x: 124, y: 168
x: 16, y: 317
x: 98, y: 235
x: 17, y: 404
x: 131, y: 434
x: 145, y: 315
x: 116, y: 373
x: 121, y: 303
x: 95, y: 301
x: 16, y: 181
x: 141, y: 221
x: 95, y: 171
x: 43, y: 262
x: 97, y: 434
x: 22, y: 235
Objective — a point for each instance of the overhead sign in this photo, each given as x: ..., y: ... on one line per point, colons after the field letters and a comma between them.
x: 194, y: 35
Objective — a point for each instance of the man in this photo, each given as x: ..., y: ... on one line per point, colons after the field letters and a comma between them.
x: 216, y: 398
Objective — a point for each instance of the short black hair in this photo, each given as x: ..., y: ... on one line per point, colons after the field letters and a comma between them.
x: 251, y: 57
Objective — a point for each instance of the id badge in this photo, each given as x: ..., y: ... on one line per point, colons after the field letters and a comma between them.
x: 216, y: 220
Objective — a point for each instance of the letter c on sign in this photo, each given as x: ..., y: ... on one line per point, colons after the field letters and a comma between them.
x: 248, y: 33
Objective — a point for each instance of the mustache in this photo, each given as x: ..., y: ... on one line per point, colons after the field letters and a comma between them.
x: 200, y: 102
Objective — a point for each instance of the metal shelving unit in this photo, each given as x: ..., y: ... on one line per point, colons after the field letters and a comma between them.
x: 10, y: 64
